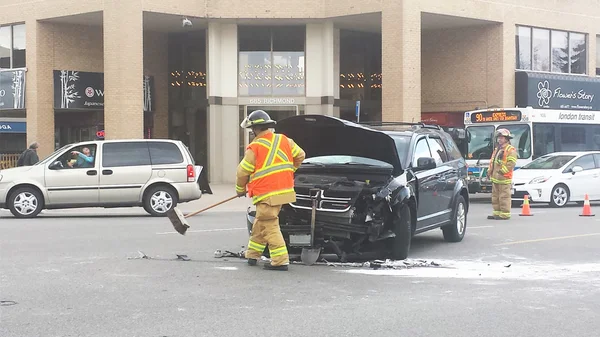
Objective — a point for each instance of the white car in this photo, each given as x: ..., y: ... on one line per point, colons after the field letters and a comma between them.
x: 559, y: 178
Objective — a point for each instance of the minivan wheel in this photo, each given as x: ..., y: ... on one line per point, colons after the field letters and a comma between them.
x: 159, y: 200
x: 25, y: 202
x: 403, y: 230
x: 455, y: 231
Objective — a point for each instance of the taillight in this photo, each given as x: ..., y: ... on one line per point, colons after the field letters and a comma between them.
x: 191, y: 174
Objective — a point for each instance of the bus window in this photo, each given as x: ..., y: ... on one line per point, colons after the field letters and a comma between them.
x: 543, y: 139
x: 480, y: 142
x: 572, y: 138
x: 521, y: 140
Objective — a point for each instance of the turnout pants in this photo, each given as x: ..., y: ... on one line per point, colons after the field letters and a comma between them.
x: 501, y: 202
x: 266, y: 231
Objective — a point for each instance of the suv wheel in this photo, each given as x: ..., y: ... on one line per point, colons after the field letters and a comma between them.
x: 159, y: 200
x: 25, y: 202
x: 455, y: 231
x: 403, y: 231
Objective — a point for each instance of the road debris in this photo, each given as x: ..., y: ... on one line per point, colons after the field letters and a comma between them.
x: 7, y: 303
x: 220, y: 254
x: 141, y: 255
x: 183, y: 257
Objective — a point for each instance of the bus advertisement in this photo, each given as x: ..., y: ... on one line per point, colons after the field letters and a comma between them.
x: 536, y: 132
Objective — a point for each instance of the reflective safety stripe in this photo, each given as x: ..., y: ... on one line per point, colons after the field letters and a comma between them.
x: 247, y: 166
x: 278, y: 251
x: 267, y: 144
x: 496, y: 212
x: 272, y: 151
x: 258, y: 198
x: 501, y: 182
x: 513, y: 159
x: 295, y: 150
x: 256, y: 246
x: 504, y: 169
x: 239, y: 188
x: 272, y: 170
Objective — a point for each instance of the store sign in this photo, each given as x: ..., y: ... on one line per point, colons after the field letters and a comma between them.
x: 13, y: 127
x: 78, y: 90
x: 12, y: 89
x: 272, y: 101
x: 557, y: 91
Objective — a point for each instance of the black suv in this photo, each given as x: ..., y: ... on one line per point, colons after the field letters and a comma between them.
x: 364, y: 193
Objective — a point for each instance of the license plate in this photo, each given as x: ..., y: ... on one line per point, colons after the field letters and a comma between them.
x: 300, y: 239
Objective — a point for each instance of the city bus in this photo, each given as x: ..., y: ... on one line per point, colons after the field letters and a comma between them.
x: 536, y: 132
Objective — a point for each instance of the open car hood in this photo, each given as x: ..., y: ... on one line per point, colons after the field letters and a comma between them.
x: 320, y: 135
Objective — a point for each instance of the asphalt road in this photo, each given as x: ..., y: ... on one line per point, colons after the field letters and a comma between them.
x: 62, y: 275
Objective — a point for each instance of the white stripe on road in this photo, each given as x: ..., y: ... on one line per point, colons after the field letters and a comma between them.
x: 481, y: 227
x: 547, y: 239
x: 207, y: 230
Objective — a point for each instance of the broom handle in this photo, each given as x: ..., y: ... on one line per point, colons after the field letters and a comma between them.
x: 209, y: 207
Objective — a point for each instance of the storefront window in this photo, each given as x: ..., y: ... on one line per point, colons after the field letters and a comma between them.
x: 12, y: 46
x: 271, y: 61
x: 551, y: 50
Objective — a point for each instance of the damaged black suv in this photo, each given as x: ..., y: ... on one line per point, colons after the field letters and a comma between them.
x: 364, y: 192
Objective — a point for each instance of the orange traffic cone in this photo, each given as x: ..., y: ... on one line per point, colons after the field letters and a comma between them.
x: 587, y: 209
x: 526, y: 211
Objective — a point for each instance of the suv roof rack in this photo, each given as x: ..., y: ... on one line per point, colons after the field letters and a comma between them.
x: 413, y: 124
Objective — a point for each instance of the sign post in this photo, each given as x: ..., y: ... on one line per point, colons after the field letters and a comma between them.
x: 357, y: 111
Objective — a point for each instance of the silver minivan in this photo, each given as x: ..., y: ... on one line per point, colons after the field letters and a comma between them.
x: 156, y: 174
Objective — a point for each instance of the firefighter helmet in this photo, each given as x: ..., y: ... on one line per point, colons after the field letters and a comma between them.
x: 257, y: 117
x: 504, y: 132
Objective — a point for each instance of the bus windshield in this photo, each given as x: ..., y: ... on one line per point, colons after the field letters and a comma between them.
x: 521, y: 140
x: 480, y: 143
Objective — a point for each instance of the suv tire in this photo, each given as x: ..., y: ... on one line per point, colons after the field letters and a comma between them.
x: 160, y: 199
x: 22, y: 199
x: 402, y: 227
x: 455, y: 230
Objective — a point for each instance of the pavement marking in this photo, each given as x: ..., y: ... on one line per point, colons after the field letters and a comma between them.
x: 206, y: 230
x: 547, y: 239
x: 481, y: 227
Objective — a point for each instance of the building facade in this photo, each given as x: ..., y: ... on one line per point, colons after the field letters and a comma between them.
x: 190, y: 70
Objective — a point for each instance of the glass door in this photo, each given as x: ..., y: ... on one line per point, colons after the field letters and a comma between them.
x: 277, y: 113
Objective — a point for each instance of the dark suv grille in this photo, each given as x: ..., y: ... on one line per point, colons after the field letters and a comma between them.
x: 324, y: 203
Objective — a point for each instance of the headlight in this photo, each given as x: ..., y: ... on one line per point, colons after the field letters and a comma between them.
x: 539, y: 180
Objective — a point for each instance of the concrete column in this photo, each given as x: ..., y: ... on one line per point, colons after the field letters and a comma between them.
x: 321, y: 72
x: 509, y: 52
x: 495, y: 87
x: 123, y: 69
x: 401, y: 61
x: 156, y: 62
x: 223, y: 111
x: 39, y: 91
x: 336, y: 70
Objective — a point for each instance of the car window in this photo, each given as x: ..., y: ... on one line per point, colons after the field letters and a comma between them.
x: 597, y: 158
x: 421, y: 150
x: 162, y: 153
x: 78, y: 157
x: 452, y: 150
x: 548, y: 162
x: 437, y: 151
x: 125, y: 154
x: 587, y: 162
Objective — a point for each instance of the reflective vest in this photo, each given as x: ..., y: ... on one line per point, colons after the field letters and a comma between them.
x: 497, y: 170
x: 274, y: 173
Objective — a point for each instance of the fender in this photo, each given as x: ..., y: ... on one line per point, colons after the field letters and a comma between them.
x: 461, y: 185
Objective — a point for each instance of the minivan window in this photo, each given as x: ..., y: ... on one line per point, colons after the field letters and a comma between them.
x: 125, y: 154
x: 162, y: 153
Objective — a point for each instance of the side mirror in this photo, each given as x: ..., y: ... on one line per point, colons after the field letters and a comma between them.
x: 425, y: 163
x: 56, y: 165
x: 576, y: 169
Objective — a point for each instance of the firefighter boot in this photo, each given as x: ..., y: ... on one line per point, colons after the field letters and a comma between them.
x: 269, y: 266
x: 252, y: 262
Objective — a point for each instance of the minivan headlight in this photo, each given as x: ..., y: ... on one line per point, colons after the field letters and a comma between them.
x: 539, y: 180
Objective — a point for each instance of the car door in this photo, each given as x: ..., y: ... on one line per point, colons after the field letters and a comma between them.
x: 125, y: 169
x: 73, y: 182
x: 426, y: 185
x: 584, y: 182
x: 446, y: 174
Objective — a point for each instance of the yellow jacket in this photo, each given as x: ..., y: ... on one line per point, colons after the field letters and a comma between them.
x: 502, y: 164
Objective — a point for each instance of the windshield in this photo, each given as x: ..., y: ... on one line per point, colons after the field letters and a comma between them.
x: 548, y: 163
x: 42, y: 162
x: 345, y: 160
x: 480, y: 145
x: 521, y: 138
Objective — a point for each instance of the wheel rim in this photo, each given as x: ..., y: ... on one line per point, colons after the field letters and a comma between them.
x: 460, y: 218
x: 25, y: 203
x: 161, y: 202
x: 559, y: 196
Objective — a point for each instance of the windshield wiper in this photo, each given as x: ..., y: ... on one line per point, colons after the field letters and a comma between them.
x: 311, y: 163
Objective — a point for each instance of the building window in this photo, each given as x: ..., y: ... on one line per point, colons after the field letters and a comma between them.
x: 271, y: 61
x: 597, y: 55
x: 551, y: 50
x: 12, y: 46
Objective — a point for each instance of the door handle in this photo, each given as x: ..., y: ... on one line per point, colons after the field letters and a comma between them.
x: 107, y: 172
x: 92, y: 172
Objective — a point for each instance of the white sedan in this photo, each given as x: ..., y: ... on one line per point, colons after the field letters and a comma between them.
x: 558, y: 178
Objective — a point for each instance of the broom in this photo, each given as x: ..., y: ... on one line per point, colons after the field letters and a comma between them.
x: 178, y: 220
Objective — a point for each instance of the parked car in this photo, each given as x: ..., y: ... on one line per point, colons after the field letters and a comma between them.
x: 558, y: 178
x: 154, y: 174
x: 373, y: 189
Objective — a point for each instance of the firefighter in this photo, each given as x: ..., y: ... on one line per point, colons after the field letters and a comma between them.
x: 500, y: 171
x: 267, y: 174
